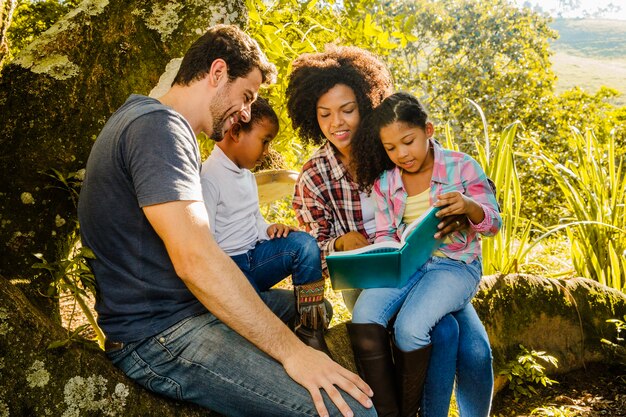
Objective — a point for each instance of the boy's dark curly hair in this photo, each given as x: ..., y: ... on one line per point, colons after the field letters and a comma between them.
x: 260, y: 109
x: 315, y: 73
x: 368, y: 153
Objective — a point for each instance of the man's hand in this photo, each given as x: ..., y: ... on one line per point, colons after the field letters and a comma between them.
x: 315, y: 371
x: 279, y: 230
x: 349, y: 241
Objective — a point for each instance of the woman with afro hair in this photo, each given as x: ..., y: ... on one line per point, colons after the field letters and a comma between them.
x: 328, y: 95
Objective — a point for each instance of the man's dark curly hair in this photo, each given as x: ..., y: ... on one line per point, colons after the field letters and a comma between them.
x: 368, y: 153
x: 240, y: 52
x: 315, y: 73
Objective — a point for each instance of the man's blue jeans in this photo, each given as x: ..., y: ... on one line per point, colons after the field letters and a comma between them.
x: 201, y: 360
x: 270, y: 261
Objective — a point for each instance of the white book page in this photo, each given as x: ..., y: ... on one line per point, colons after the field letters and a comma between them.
x: 386, y: 246
x: 414, y: 224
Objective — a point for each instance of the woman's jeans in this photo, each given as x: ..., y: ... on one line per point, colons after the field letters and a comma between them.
x: 439, y: 287
x: 201, y: 360
x: 461, y: 347
x: 270, y: 261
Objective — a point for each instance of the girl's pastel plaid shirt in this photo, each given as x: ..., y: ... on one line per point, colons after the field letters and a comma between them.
x: 452, y: 171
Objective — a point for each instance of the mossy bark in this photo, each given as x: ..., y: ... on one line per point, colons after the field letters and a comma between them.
x: 6, y: 12
x: 565, y: 318
x: 56, y: 96
x: 75, y: 380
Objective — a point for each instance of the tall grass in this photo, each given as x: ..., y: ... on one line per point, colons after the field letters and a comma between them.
x: 507, y: 251
x: 593, y: 183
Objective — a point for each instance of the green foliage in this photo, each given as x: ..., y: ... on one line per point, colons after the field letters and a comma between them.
x: 507, y: 251
x: 525, y: 372
x: 285, y: 29
x: 593, y: 184
x: 280, y: 211
x: 33, y: 17
x: 71, y: 275
x: 618, y: 348
x: 490, y: 52
x: 70, y: 182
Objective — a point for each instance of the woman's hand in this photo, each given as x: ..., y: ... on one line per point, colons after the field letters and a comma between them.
x: 349, y: 241
x: 451, y: 224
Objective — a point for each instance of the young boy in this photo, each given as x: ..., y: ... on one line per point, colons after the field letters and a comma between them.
x: 265, y: 253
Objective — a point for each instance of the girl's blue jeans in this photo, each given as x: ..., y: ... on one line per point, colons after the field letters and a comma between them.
x: 270, y: 261
x: 439, y: 287
x: 203, y: 361
x: 460, y: 342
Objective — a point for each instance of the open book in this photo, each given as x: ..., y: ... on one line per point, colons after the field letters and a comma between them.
x: 386, y: 264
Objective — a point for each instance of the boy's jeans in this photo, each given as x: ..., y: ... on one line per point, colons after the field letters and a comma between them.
x: 272, y: 260
x: 201, y: 360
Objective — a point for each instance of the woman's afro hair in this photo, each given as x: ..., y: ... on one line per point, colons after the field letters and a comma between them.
x: 314, y: 74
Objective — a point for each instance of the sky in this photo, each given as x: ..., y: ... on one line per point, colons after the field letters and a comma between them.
x: 591, y: 6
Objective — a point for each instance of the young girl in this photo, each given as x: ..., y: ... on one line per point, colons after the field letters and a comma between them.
x: 408, y: 172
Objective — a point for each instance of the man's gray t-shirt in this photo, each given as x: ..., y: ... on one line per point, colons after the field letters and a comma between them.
x: 146, y: 154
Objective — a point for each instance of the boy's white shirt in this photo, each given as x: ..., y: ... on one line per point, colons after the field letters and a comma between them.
x: 232, y: 201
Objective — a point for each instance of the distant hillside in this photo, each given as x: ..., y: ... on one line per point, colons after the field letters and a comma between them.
x: 590, y: 53
x: 591, y: 37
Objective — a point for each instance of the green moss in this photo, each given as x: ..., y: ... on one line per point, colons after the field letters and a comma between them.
x: 4, y: 409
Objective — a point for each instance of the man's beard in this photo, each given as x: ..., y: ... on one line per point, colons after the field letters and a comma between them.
x: 218, y: 126
x: 218, y: 114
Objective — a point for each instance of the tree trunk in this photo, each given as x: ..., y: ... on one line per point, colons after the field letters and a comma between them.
x: 75, y: 380
x: 567, y: 319
x: 56, y: 96
x: 6, y: 13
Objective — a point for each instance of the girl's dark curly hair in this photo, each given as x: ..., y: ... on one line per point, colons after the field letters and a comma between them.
x: 368, y: 153
x: 315, y: 73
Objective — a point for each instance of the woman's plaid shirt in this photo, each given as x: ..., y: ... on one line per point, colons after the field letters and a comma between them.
x: 326, y: 200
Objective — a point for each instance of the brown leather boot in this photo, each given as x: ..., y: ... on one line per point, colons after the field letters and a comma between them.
x: 312, y: 320
x: 411, y: 370
x: 372, y: 354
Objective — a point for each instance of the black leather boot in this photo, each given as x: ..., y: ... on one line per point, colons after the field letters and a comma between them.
x: 312, y: 320
x: 411, y: 370
x: 372, y: 354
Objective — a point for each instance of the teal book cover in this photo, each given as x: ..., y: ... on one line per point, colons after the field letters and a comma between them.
x: 386, y: 264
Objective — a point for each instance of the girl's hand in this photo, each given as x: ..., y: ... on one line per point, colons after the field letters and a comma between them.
x: 279, y: 230
x: 454, y: 203
x: 349, y: 241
